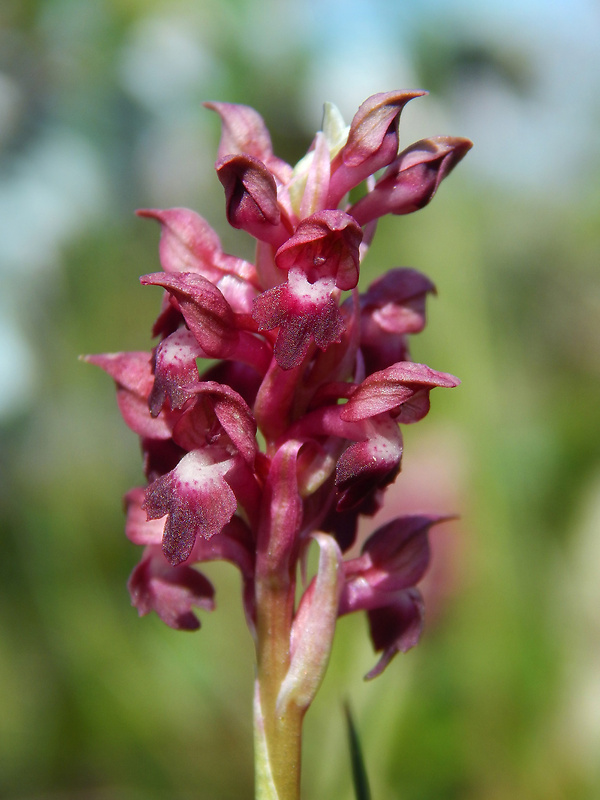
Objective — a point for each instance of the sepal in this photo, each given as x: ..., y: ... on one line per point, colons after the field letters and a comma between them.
x: 393, y: 558
x: 218, y: 408
x: 132, y: 373
x: 324, y: 245
x: 189, y: 244
x: 243, y: 132
x: 398, y: 553
x: 175, y: 371
x: 402, y: 388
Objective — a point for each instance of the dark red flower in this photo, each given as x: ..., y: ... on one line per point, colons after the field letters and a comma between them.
x: 270, y: 408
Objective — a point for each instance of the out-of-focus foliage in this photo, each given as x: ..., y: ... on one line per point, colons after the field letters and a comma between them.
x: 100, y: 113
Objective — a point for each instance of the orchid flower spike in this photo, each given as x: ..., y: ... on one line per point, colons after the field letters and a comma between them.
x: 270, y: 409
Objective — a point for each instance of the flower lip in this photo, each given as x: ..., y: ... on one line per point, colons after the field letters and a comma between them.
x: 303, y: 312
x: 369, y: 464
x: 196, y: 498
x: 170, y: 591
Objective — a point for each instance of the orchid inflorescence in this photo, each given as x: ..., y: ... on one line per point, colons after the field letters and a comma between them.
x: 290, y: 433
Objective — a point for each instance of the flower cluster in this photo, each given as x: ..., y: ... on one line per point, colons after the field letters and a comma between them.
x: 291, y: 431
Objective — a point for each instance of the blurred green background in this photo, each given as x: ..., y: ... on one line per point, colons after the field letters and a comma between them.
x: 100, y: 113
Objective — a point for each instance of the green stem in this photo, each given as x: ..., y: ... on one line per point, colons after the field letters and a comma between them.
x: 277, y: 732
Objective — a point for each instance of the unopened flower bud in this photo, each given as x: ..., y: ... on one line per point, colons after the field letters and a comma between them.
x: 372, y: 141
x: 251, y: 197
x: 412, y: 180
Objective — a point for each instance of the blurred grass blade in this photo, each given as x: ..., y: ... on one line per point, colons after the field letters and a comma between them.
x: 359, y: 773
